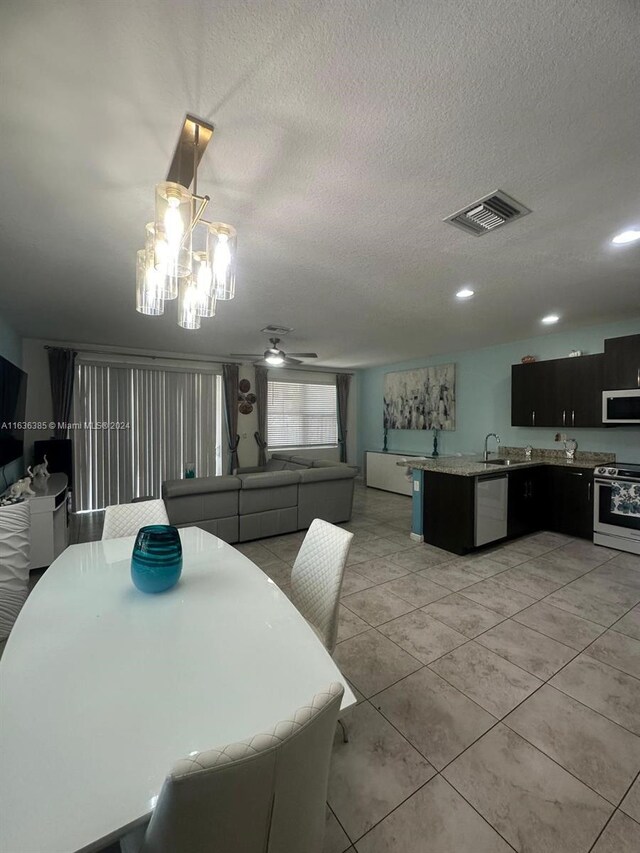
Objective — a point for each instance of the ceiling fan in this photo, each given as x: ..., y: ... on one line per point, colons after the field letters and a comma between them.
x: 273, y: 356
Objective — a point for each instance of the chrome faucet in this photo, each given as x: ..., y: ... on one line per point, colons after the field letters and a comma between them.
x: 486, y: 443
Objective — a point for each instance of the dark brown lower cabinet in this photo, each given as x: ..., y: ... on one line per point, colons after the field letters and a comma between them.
x: 539, y: 498
x: 570, y: 502
x: 526, y: 501
x: 449, y: 511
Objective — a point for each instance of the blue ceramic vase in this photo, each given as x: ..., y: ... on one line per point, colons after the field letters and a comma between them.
x: 156, y: 562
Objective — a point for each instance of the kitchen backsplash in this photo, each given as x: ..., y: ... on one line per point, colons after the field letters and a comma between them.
x: 584, y: 456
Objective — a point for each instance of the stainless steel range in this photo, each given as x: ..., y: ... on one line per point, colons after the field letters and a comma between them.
x: 616, y: 507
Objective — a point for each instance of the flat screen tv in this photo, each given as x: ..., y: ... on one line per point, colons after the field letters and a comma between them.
x: 13, y: 400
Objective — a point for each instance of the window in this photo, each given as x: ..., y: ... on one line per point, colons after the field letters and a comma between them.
x: 155, y: 422
x: 301, y: 414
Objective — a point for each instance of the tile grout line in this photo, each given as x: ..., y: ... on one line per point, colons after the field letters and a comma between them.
x: 370, y: 699
x: 419, y: 788
x: 506, y: 618
x: 502, y: 719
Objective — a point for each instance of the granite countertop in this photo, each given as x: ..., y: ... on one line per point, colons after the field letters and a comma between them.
x: 466, y: 466
x: 409, y: 454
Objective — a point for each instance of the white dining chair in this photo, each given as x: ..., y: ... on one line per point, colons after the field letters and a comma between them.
x: 266, y: 794
x: 316, y: 578
x: 15, y: 526
x: 127, y: 519
x: 316, y: 581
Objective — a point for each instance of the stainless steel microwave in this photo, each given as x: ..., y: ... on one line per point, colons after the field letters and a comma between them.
x: 621, y: 407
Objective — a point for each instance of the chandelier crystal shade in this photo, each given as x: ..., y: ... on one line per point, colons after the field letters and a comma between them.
x: 202, y: 276
x: 188, y: 304
x: 148, y: 297
x: 185, y: 256
x: 168, y: 284
x: 174, y: 206
x: 221, y: 249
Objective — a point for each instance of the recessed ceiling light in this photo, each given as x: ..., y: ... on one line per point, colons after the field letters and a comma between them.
x: 465, y: 293
x: 550, y: 318
x: 629, y: 236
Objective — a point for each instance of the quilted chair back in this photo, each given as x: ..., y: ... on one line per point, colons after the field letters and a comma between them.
x: 265, y: 794
x: 316, y: 578
x: 127, y: 519
x: 15, y: 521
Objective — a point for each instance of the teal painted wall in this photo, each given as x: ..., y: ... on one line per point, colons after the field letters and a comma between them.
x: 10, y: 348
x: 483, y: 397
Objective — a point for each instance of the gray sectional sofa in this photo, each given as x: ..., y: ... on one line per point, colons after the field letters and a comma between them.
x: 253, y: 503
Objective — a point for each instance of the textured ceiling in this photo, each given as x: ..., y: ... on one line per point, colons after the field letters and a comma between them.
x: 345, y: 132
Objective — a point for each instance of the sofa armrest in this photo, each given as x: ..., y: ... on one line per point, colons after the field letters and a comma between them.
x: 249, y: 469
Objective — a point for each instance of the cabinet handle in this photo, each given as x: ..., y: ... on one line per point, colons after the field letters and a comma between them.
x: 639, y: 377
x: 533, y: 418
x: 589, y: 491
x: 573, y: 417
x: 564, y: 417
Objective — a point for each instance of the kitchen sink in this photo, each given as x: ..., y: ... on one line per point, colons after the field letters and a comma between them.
x: 498, y: 462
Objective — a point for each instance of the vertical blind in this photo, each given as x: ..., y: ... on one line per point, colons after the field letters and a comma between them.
x: 140, y: 426
x: 301, y: 414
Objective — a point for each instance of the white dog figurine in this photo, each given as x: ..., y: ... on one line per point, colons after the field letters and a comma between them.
x: 41, y: 470
x: 21, y: 487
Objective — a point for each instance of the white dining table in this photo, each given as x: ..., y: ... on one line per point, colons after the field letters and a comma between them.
x: 103, y: 688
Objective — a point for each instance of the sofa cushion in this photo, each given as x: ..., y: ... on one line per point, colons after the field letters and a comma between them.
x: 268, y: 479
x: 201, y: 499
x: 275, y: 465
x: 334, y: 472
x: 273, y: 522
x: 303, y: 461
x: 269, y: 491
x: 223, y: 528
x: 329, y: 497
x: 199, y: 486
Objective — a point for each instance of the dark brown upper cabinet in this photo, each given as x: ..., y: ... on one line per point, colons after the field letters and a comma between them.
x: 560, y: 393
x: 532, y: 393
x: 622, y: 363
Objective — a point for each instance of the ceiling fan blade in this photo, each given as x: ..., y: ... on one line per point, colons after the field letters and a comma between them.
x: 245, y: 355
x: 289, y: 360
x: 304, y: 354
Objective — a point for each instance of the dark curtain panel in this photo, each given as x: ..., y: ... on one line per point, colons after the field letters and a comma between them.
x: 230, y: 382
x: 343, y: 381
x: 62, y: 363
x: 261, y: 405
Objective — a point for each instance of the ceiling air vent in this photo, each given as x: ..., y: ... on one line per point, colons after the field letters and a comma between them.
x: 488, y: 213
x: 276, y: 330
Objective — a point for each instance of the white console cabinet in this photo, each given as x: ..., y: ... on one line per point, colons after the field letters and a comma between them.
x: 49, y: 531
x: 383, y: 472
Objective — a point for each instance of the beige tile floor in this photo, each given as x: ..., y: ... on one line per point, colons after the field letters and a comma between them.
x: 499, y: 694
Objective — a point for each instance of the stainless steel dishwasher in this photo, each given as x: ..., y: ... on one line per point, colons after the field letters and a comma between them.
x: 492, y: 495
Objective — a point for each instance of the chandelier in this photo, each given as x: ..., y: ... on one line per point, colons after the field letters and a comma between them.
x: 185, y: 257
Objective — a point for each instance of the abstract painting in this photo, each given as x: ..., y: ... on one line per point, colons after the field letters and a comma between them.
x: 424, y: 398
